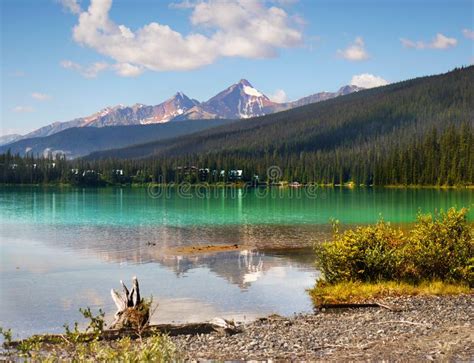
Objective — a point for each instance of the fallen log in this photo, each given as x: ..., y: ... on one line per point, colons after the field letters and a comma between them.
x: 217, y: 325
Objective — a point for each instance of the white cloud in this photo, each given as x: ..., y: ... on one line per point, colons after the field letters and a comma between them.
x: 440, y: 41
x: 23, y: 109
x: 93, y: 70
x: 90, y: 71
x: 279, y: 96
x: 367, y: 80
x: 41, y: 96
x: 355, y: 51
x: 127, y: 70
x: 241, y: 28
x: 468, y: 33
x: 71, y: 5
x: 407, y: 43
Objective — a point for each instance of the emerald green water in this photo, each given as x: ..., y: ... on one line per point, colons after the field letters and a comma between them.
x: 221, y: 207
x: 64, y: 248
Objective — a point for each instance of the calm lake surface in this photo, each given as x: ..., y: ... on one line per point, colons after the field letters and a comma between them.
x: 64, y: 248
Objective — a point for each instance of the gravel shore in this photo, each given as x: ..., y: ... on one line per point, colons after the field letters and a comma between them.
x: 425, y: 329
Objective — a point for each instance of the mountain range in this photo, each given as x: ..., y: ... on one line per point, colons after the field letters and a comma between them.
x: 414, y: 132
x: 239, y: 101
x: 353, y: 130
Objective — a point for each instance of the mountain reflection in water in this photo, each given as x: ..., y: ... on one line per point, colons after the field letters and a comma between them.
x: 55, y: 270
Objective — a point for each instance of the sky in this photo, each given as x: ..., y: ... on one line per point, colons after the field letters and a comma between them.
x: 63, y: 59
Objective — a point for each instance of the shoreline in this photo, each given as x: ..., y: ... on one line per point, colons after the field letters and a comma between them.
x: 425, y: 329
x: 243, y: 185
x: 413, y: 328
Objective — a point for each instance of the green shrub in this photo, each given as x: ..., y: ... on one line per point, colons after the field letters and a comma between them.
x: 439, y: 248
x: 88, y: 345
x: 364, y: 254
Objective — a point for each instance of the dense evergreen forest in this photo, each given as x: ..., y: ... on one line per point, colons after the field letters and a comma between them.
x: 416, y: 132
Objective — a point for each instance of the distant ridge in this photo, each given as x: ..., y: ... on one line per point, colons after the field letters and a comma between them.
x: 79, y: 141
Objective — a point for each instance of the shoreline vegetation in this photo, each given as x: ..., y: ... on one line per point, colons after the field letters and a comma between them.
x: 440, y: 156
x: 391, y: 285
x: 434, y: 257
x: 412, y: 329
x: 240, y: 185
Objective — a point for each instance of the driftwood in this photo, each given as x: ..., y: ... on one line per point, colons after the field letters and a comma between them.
x: 216, y: 325
x: 132, y: 310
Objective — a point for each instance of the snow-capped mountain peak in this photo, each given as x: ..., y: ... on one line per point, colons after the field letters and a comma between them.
x: 241, y: 100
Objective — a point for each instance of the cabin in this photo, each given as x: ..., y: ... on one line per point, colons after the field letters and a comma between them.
x: 235, y: 174
x: 203, y: 174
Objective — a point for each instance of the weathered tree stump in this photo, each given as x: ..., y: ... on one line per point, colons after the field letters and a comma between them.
x: 132, y: 319
x: 132, y: 311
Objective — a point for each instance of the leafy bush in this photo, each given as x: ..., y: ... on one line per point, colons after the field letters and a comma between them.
x: 437, y: 248
x: 363, y: 254
x: 441, y: 248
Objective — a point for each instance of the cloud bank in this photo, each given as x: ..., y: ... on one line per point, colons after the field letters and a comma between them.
x: 90, y: 71
x: 240, y: 28
x: 440, y: 41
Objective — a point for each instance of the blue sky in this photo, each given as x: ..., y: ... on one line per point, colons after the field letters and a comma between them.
x: 63, y: 59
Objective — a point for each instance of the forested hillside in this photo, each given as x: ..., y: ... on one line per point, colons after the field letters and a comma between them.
x: 413, y: 132
x: 80, y: 141
x: 418, y: 131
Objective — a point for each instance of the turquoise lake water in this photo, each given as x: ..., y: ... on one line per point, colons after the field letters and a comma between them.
x: 64, y: 248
